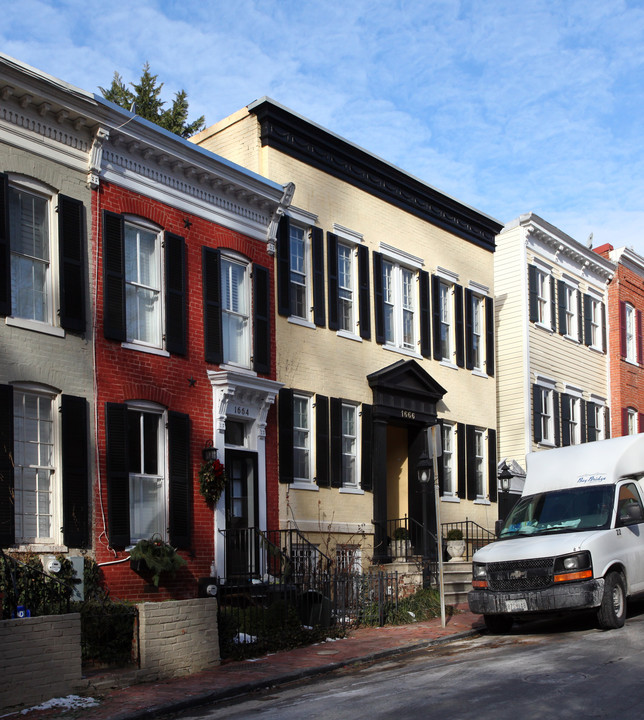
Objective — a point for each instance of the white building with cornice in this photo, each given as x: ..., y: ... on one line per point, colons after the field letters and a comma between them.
x: 552, y: 355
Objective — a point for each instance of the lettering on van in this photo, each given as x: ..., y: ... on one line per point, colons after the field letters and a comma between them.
x: 591, y: 478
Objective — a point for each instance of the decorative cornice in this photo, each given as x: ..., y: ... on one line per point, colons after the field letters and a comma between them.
x: 299, y: 138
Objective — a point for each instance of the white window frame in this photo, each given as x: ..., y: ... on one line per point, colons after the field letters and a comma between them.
x: 596, y: 320
x: 631, y: 333
x: 160, y: 477
x: 348, y: 558
x: 446, y: 312
x: 51, y: 289
x: 300, y: 275
x: 400, y: 298
x: 41, y: 393
x: 574, y: 423
x: 450, y: 478
x: 347, y: 287
x: 633, y: 423
x: 478, y: 332
x: 546, y: 418
x: 304, y: 482
x: 572, y: 311
x: 138, y: 287
x: 480, y: 458
x: 305, y: 558
x: 241, y: 315
x: 350, y: 448
x: 600, y: 420
x: 544, y: 305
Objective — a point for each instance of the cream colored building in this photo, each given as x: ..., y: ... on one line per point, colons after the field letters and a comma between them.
x: 553, y: 383
x: 384, y: 312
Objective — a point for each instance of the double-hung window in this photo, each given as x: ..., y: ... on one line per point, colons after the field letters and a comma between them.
x: 631, y: 421
x: 593, y: 315
x: 399, y: 295
x: 349, y: 446
x: 299, y: 268
x: 302, y: 471
x: 235, y: 304
x: 449, y: 477
x: 630, y: 332
x: 480, y: 463
x: 541, y: 286
x: 545, y: 415
x: 571, y: 420
x: 143, y: 291
x: 148, y: 491
x: 36, y: 503
x: 569, y: 306
x: 346, y: 288
x: 446, y: 322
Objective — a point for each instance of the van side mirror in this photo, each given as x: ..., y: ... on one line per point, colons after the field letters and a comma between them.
x: 631, y: 514
x: 498, y: 526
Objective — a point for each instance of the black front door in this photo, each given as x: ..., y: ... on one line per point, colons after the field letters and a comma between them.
x: 242, y: 515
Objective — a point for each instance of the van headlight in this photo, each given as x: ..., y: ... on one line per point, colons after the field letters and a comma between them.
x: 479, y: 575
x: 577, y: 566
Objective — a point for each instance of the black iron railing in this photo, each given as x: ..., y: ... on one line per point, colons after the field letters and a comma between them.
x: 408, y: 540
x: 474, y: 535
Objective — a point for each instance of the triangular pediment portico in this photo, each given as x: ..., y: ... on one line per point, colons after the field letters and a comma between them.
x: 405, y: 392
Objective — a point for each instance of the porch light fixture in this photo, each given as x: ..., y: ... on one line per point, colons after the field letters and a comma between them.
x: 505, y: 476
x: 209, y: 453
x: 424, y: 469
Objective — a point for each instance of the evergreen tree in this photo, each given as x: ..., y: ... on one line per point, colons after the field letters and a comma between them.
x: 146, y: 102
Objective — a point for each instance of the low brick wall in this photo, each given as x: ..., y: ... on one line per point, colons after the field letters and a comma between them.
x: 178, y: 637
x: 40, y: 658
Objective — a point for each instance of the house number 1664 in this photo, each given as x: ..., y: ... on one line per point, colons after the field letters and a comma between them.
x: 237, y: 410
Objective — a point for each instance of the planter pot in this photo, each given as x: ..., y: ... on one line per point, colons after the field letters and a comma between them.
x: 401, y: 548
x: 140, y: 567
x: 455, y: 550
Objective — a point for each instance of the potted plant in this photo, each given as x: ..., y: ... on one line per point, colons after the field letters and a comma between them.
x: 155, y: 556
x: 212, y: 480
x: 401, y: 542
x: 455, y: 544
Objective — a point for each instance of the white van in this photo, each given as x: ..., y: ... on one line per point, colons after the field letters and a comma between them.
x: 574, y: 541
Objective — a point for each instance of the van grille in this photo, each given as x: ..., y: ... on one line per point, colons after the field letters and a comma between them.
x: 520, y: 574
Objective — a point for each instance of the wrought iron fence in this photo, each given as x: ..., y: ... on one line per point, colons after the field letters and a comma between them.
x: 257, y: 617
x: 475, y: 535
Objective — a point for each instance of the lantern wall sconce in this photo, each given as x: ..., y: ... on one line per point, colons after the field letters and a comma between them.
x: 209, y: 452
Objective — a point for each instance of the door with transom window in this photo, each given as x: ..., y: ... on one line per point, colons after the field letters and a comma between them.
x: 242, y: 515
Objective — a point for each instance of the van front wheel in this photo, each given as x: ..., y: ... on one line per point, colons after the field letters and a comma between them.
x: 612, y: 611
x: 498, y: 624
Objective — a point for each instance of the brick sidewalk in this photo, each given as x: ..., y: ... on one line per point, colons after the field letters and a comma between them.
x: 118, y: 701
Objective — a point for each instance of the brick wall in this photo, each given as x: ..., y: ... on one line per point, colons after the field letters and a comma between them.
x: 40, y: 658
x: 178, y: 637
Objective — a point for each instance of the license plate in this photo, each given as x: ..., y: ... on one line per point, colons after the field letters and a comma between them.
x: 516, y: 605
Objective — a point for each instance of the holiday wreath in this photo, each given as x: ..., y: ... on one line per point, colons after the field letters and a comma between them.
x: 212, y: 480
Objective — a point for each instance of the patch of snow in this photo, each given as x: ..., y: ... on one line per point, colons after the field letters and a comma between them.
x: 69, y: 703
x: 242, y: 638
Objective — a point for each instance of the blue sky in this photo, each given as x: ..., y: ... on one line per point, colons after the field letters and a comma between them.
x: 509, y: 106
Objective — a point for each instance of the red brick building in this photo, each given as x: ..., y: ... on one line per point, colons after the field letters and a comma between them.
x: 184, y: 351
x: 625, y: 306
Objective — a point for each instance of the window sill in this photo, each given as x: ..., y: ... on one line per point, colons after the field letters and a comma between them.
x: 349, y: 335
x: 546, y: 444
x: 294, y: 320
x: 545, y: 327
x: 39, y: 327
x: 631, y: 362
x: 450, y: 498
x: 145, y: 349
x: 300, y: 485
x: 597, y: 349
x: 49, y: 548
x: 351, y: 491
x: 448, y: 364
x: 572, y: 339
x: 482, y: 501
x: 480, y: 373
x: 402, y: 351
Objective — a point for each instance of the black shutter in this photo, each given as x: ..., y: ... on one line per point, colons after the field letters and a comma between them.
x: 638, y: 332
x: 461, y: 455
x: 582, y: 420
x: 591, y: 425
x: 378, y: 299
x: 261, y: 320
x: 624, y: 421
x: 470, y: 445
x: 537, y: 411
x: 425, y: 315
x: 532, y: 293
x: 75, y: 467
x: 622, y: 328
x: 363, y: 292
x: 213, y: 340
x: 175, y: 294
x: 285, y: 414
x: 366, y: 480
x: 566, y: 400
x: 553, y: 305
x: 436, y: 317
x: 561, y: 303
x: 179, y: 479
x: 332, y: 273
x: 118, y: 477
x: 317, y: 259
x: 459, y: 326
x: 71, y: 251
x: 607, y: 421
x: 588, y: 316
x: 489, y: 336
x: 441, y: 463
x: 469, y: 331
x: 5, y: 249
x: 555, y: 407
x: 580, y: 318
x: 491, y: 464
x: 113, y: 277
x: 335, y: 417
x: 284, y: 266
x: 603, y: 319
x: 322, y: 475
x: 7, y: 516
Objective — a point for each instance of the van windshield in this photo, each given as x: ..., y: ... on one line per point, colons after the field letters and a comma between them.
x: 571, y: 510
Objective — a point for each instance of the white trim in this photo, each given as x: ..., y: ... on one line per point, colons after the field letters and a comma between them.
x: 301, y: 217
x: 296, y: 320
x: 35, y: 325
x: 478, y: 288
x: 347, y: 234
x: 448, y: 275
x: 401, y: 257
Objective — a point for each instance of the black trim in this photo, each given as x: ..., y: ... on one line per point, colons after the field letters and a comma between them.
x: 213, y: 340
x: 491, y: 464
x: 7, y: 516
x: 317, y: 262
x: 285, y: 418
x: 261, y: 320
x: 363, y: 293
x: 366, y: 465
x: 378, y: 299
x: 118, y: 478
x: 425, y: 315
x: 179, y: 480
x: 72, y: 259
x: 284, y: 266
x: 75, y: 470
x: 332, y: 279
x: 459, y: 326
x: 335, y: 418
x: 5, y: 248
x: 175, y: 294
x: 322, y: 458
x: 113, y: 277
